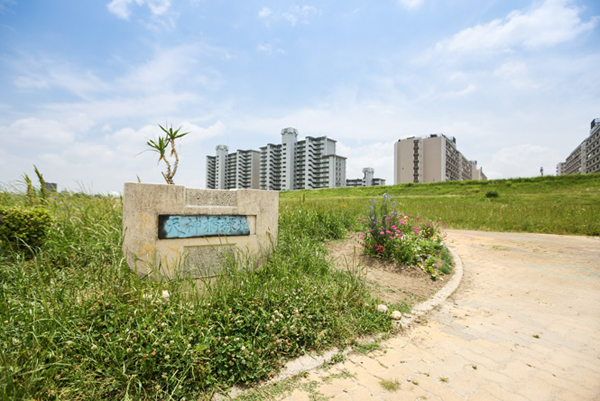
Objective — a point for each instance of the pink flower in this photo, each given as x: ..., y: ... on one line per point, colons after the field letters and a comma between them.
x: 381, y: 233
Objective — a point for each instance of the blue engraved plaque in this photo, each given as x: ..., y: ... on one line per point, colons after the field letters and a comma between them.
x: 194, y: 226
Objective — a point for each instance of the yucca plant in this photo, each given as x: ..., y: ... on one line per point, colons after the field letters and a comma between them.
x: 161, y: 146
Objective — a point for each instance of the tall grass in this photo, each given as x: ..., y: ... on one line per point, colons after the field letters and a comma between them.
x: 77, y: 323
x: 553, y: 205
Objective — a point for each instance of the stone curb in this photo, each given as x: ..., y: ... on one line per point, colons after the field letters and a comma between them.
x: 440, y: 296
x: 310, y: 362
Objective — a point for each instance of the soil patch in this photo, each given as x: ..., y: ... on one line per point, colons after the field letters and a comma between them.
x: 390, y: 281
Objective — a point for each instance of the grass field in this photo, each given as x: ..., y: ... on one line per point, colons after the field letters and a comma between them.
x: 78, y: 324
x: 551, y: 204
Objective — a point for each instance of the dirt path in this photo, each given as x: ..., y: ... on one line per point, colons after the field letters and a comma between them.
x: 523, y: 325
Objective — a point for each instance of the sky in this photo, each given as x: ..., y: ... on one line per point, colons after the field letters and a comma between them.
x: 84, y: 84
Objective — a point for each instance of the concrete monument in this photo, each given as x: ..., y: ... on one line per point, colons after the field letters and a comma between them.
x: 176, y: 230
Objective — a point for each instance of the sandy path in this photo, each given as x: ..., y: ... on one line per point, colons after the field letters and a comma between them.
x: 523, y: 325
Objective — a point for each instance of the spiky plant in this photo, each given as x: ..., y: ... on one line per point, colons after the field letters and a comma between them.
x: 161, y: 145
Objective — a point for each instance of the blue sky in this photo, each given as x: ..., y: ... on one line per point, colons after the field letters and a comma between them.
x: 83, y: 84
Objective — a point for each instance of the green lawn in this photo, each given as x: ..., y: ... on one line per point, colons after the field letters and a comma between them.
x: 557, y: 205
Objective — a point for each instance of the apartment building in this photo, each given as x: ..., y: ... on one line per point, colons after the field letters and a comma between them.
x: 585, y: 159
x: 432, y: 159
x: 292, y: 164
x: 226, y: 170
x: 301, y: 164
x: 368, y: 179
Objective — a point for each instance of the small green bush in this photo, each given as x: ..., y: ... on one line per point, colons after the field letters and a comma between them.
x: 492, y: 194
x: 23, y: 229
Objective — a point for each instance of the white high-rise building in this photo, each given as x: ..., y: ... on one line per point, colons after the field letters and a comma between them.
x: 368, y: 179
x: 308, y: 163
x: 293, y: 164
x: 233, y: 170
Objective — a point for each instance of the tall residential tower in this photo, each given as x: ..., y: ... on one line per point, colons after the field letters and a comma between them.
x: 233, y: 170
x: 293, y: 164
x: 431, y: 159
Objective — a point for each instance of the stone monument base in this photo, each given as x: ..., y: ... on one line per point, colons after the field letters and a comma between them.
x: 171, y: 230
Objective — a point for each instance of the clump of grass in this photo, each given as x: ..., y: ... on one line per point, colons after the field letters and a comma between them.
x: 367, y: 347
x: 390, y: 385
x: 79, y: 324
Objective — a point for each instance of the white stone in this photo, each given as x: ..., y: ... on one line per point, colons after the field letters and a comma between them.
x: 396, y: 315
x: 382, y: 308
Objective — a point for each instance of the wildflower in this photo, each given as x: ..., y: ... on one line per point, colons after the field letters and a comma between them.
x: 167, y: 357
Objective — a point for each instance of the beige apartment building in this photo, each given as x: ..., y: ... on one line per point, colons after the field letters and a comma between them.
x: 432, y: 159
x: 585, y: 159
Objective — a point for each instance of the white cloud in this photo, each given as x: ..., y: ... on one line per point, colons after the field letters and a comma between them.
x: 104, y: 163
x: 121, y: 8
x: 410, y: 4
x: 158, y: 7
x: 265, y: 12
x: 34, y: 132
x: 294, y: 15
x: 516, y: 73
x: 299, y: 13
x: 265, y: 48
x: 553, y: 22
x: 43, y: 72
x: 522, y: 160
x: 378, y: 155
x: 269, y: 49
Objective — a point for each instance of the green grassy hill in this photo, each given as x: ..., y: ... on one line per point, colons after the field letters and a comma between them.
x: 551, y: 204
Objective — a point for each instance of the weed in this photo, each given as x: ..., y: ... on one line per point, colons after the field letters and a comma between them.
x: 444, y: 379
x: 367, y: 347
x: 344, y: 374
x: 390, y: 385
x: 337, y: 358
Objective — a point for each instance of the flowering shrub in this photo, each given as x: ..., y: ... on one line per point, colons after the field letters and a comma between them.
x: 389, y: 234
